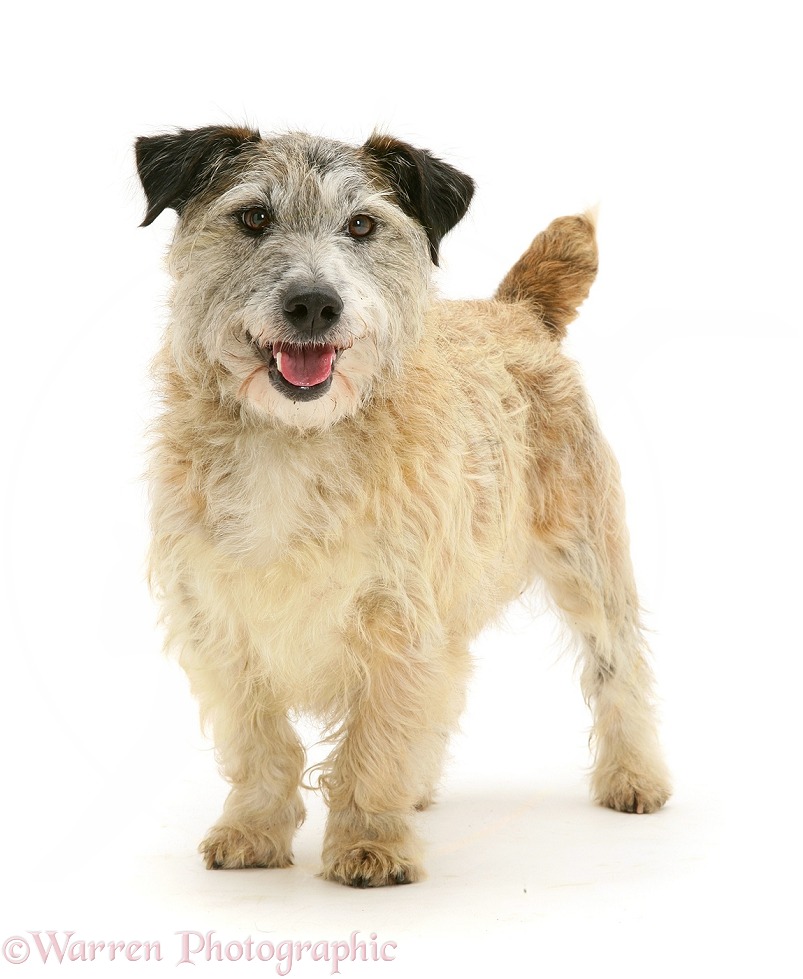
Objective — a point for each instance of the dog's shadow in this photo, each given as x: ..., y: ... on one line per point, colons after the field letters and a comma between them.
x: 508, y: 831
x: 502, y: 835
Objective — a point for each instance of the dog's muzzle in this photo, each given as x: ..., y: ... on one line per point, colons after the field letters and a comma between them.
x: 302, y: 366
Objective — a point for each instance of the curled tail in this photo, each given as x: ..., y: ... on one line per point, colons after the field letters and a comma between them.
x: 555, y: 274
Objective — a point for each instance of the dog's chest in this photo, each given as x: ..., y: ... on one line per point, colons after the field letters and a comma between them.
x: 267, y: 501
x: 281, y: 557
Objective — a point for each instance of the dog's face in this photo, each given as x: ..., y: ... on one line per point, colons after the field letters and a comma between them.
x: 302, y: 265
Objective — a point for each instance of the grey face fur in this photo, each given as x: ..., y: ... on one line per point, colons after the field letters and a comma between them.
x: 269, y: 262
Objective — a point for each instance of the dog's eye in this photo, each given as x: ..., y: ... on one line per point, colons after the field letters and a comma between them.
x: 361, y: 225
x: 255, y: 219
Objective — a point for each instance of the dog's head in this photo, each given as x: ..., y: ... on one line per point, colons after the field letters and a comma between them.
x: 302, y: 265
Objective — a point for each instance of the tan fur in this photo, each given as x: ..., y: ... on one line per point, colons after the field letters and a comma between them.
x: 555, y: 273
x: 339, y: 557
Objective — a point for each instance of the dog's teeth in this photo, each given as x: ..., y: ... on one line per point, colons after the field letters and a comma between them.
x: 279, y: 356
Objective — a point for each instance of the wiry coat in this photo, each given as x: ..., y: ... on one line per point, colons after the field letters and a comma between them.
x: 337, y: 556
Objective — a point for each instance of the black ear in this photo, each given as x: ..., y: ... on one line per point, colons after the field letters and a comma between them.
x: 176, y: 166
x: 428, y: 189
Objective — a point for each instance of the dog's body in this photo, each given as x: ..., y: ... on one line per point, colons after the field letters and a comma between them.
x: 351, y: 478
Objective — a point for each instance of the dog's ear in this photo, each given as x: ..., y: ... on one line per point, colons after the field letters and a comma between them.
x: 429, y: 190
x: 176, y: 166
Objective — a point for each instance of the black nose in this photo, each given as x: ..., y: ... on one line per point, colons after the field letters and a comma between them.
x: 312, y: 311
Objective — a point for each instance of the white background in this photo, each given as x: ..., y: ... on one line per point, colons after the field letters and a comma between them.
x: 683, y: 122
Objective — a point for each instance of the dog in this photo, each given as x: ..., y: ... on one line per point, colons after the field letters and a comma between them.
x: 352, y: 477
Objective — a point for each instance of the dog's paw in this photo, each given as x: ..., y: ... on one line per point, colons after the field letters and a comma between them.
x: 628, y: 791
x: 370, y: 865
x: 231, y: 847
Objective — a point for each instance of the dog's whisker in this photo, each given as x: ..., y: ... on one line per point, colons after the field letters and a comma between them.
x: 243, y: 389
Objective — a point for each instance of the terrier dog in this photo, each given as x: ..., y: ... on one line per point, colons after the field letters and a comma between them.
x: 352, y: 477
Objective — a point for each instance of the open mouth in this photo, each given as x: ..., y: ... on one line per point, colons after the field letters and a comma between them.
x: 302, y: 372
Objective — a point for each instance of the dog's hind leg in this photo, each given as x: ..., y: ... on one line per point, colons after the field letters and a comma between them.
x: 583, y: 554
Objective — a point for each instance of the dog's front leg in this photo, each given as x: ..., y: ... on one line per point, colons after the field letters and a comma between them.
x: 259, y: 754
x: 383, y: 762
x: 263, y: 762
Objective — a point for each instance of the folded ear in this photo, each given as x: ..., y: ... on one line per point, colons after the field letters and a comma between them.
x: 176, y: 166
x: 429, y: 190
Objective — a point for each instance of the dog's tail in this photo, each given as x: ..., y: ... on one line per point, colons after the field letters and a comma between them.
x: 555, y: 274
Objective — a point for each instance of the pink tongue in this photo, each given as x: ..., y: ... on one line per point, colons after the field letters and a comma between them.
x: 304, y: 366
